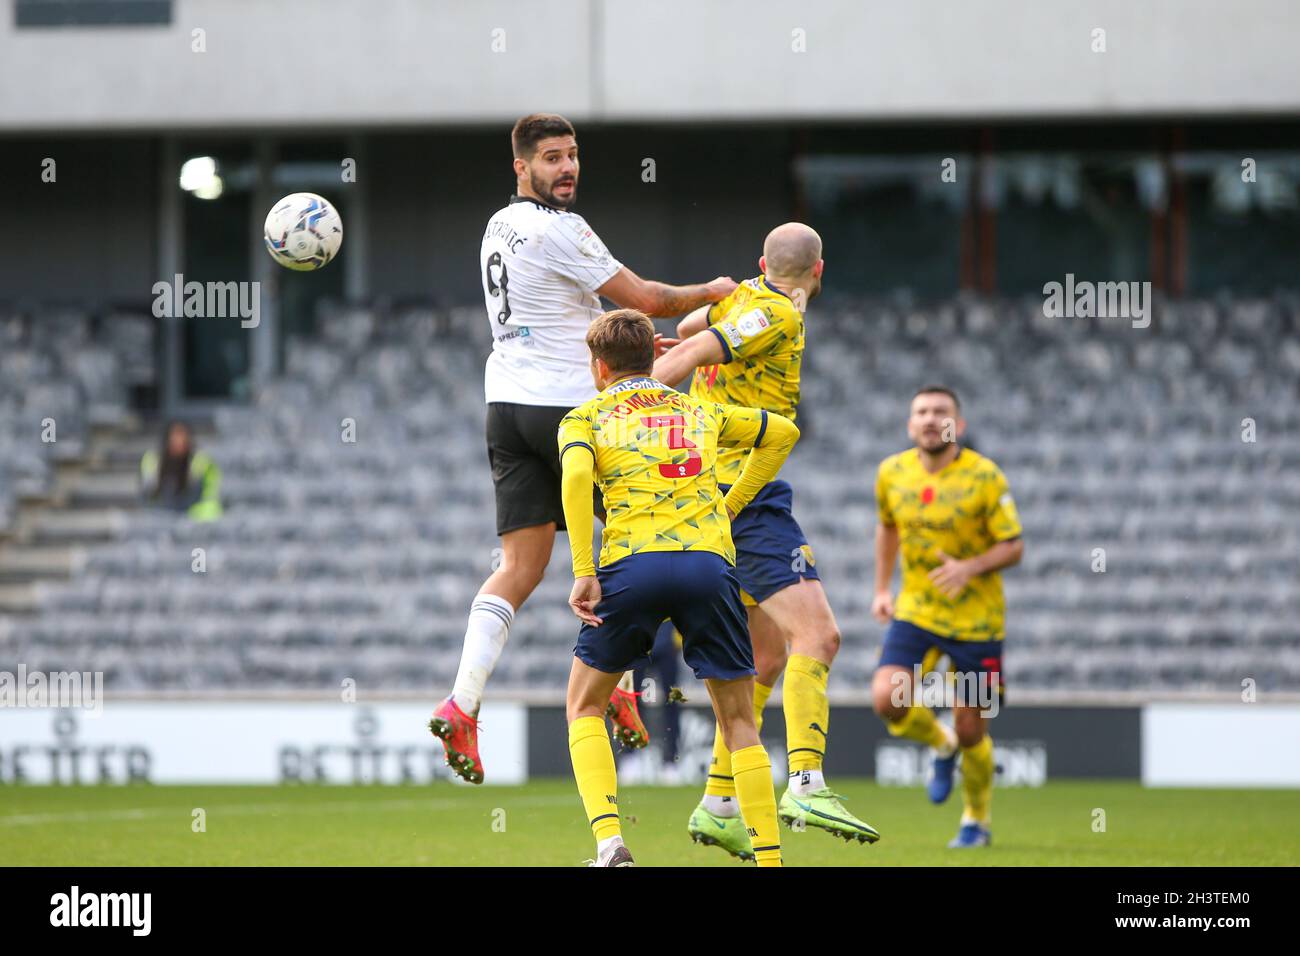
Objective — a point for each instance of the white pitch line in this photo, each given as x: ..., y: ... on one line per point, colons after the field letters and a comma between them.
x: 342, y: 806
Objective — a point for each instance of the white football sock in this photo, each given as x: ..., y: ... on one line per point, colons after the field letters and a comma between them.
x: 490, y: 618
x: 950, y: 748
x: 721, y: 806
x: 804, y: 782
x: 606, y: 846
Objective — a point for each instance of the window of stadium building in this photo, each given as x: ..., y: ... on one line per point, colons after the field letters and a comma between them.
x: 1243, y: 220
x: 216, y: 205
x: 1065, y: 213
x: 92, y: 13
x: 310, y: 165
x: 898, y: 215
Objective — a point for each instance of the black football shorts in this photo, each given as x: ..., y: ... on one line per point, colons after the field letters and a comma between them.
x: 525, y: 457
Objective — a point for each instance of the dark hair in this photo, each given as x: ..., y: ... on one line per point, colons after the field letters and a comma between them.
x: 173, y: 470
x: 941, y: 390
x: 625, y: 339
x: 532, y: 129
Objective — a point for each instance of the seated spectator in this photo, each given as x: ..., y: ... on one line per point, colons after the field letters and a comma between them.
x: 179, y: 478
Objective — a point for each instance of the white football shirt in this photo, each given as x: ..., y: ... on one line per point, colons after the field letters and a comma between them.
x: 541, y: 268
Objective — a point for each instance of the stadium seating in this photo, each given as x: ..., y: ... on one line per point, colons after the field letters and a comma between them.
x: 358, y: 559
x: 61, y: 366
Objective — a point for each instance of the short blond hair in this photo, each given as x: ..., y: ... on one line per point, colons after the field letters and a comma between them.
x: 624, y: 339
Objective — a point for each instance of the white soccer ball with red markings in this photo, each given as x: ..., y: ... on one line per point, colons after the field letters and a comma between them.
x: 303, y: 232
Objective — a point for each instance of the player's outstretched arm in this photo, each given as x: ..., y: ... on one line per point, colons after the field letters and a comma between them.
x: 660, y: 300
x: 771, y: 446
x: 703, y: 348
x: 697, y: 321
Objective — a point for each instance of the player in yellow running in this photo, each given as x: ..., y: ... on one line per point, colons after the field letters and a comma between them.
x: 950, y: 514
x: 747, y: 349
x: 666, y: 553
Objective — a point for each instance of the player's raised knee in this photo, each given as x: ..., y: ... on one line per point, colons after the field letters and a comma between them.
x: 821, y: 641
x: 891, y: 693
x: 969, y: 725
x: 830, y: 642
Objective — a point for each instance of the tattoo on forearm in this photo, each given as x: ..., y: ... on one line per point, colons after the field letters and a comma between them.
x: 678, y: 300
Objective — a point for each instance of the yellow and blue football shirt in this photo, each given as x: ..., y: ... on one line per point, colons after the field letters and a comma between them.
x: 762, y: 336
x: 962, y: 510
x: 655, y: 452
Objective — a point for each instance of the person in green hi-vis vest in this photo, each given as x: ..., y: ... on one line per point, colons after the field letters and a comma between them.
x: 179, y: 478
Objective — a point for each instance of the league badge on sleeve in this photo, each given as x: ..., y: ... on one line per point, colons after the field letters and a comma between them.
x: 587, y: 240
x: 752, y: 323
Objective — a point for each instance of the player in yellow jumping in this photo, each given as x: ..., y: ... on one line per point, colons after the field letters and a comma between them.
x: 747, y: 349
x: 950, y: 514
x: 666, y: 553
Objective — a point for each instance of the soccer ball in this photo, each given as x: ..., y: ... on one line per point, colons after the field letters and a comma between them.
x: 303, y: 232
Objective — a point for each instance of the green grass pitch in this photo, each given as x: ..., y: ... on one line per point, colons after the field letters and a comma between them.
x: 541, y: 824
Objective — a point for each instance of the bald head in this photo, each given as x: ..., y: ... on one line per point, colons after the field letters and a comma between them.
x: 791, y: 250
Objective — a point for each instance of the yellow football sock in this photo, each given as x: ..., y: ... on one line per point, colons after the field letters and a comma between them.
x: 720, y: 782
x: 807, y: 712
x: 593, y: 768
x: 977, y: 781
x: 761, y: 693
x: 920, y: 724
x: 753, y: 772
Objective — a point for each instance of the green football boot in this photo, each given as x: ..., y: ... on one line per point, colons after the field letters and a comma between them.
x: 726, y: 832
x: 823, y: 808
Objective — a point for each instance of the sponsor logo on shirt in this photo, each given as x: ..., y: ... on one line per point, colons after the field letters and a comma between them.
x: 635, y: 383
x: 733, y: 334
x: 522, y: 333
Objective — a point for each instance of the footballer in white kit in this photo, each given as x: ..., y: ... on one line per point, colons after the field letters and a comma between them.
x: 541, y: 269
x: 544, y: 270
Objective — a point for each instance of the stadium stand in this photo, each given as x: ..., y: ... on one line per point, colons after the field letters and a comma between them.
x: 358, y: 559
x: 64, y: 368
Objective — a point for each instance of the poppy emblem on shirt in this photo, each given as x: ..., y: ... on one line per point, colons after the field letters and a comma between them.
x: 927, y: 494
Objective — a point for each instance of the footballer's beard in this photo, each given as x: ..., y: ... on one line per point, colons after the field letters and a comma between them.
x: 934, y: 444
x: 546, y: 191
